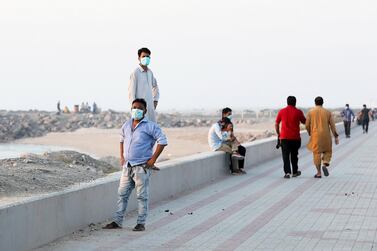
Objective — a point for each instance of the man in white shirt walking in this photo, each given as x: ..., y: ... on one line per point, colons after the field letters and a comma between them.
x: 143, y: 84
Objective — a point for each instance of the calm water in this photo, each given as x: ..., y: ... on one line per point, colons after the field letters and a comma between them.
x: 16, y: 150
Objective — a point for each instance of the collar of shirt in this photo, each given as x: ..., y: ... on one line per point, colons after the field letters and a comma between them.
x: 144, y: 120
x: 142, y: 69
x: 291, y: 107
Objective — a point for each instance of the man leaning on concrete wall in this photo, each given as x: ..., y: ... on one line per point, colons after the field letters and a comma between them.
x: 138, y: 137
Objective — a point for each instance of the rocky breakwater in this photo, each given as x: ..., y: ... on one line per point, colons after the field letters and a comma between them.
x: 22, y: 124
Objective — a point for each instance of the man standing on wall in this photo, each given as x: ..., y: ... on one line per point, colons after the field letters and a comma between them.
x: 290, y: 141
x: 143, y: 84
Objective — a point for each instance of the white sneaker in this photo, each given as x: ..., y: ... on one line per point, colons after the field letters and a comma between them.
x: 237, y: 156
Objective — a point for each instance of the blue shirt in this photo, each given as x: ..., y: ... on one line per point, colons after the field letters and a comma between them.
x: 138, y: 143
x: 347, y: 114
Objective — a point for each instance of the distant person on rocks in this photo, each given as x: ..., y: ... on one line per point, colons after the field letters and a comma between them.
x: 143, y: 84
x: 94, y: 111
x: 138, y: 137
x: 87, y: 106
x: 82, y: 108
x: 289, y: 135
x: 320, y: 124
x: 58, y: 107
x: 228, y: 113
x: 365, y: 113
x: 220, y: 138
x: 348, y: 117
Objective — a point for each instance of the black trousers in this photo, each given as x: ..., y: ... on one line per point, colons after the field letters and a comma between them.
x: 289, y: 149
x: 347, y: 128
x: 365, y: 124
x: 241, y: 162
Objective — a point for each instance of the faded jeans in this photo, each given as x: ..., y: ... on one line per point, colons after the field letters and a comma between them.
x: 133, y: 177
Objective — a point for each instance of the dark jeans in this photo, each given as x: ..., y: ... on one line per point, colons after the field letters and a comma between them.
x: 289, y: 149
x: 347, y: 128
x: 365, y: 124
x: 241, y: 163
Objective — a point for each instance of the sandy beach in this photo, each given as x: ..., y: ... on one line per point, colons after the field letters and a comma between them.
x: 182, y: 141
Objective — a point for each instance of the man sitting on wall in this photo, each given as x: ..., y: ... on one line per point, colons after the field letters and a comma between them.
x: 221, y: 138
x: 228, y: 113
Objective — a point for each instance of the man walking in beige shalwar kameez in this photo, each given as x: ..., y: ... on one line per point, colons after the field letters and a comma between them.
x: 319, y: 123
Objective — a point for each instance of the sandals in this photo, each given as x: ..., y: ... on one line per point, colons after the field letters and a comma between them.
x: 325, y: 171
x: 317, y: 176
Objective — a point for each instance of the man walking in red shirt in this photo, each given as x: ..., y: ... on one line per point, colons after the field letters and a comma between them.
x: 289, y: 135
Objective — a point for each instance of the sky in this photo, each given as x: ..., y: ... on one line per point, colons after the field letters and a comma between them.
x: 206, y: 54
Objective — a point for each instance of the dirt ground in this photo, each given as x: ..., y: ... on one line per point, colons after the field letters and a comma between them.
x: 36, y: 174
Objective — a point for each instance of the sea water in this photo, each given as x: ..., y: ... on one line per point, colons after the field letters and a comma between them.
x: 16, y: 150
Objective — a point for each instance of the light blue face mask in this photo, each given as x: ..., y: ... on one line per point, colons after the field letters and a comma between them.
x: 225, y: 135
x: 145, y: 61
x: 229, y: 117
x: 137, y: 114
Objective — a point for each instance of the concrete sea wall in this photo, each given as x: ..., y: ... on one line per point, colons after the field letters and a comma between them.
x: 42, y: 219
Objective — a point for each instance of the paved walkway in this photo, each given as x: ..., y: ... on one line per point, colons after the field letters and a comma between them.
x: 262, y: 211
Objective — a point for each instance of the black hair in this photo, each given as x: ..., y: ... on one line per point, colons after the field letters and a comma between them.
x: 291, y: 100
x: 145, y: 50
x: 141, y: 101
x: 347, y: 105
x: 365, y: 105
x: 225, y: 122
x: 226, y: 110
x: 318, y: 101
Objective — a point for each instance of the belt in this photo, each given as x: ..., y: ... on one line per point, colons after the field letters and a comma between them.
x: 144, y: 166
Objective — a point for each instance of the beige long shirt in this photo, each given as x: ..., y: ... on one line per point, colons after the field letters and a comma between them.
x: 143, y: 85
x: 319, y: 123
